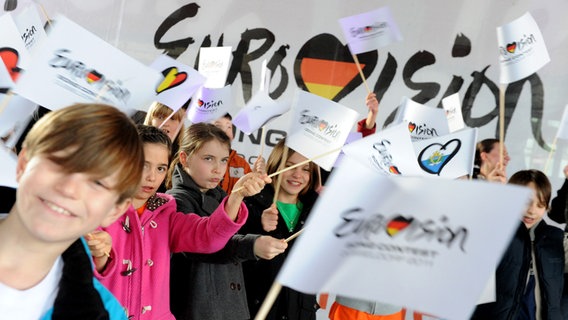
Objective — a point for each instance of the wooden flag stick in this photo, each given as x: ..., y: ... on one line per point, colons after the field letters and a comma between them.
x: 501, y: 122
x: 6, y: 101
x: 45, y: 14
x: 262, y: 138
x: 268, y: 301
x: 297, y: 165
x: 549, y: 159
x: 361, y: 72
x: 295, y: 235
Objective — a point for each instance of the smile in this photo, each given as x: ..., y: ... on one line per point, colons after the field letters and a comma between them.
x: 57, y: 208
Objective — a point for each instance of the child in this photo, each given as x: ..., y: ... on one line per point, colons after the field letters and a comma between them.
x: 136, y: 266
x: 158, y: 113
x: 297, y: 194
x: 486, y: 162
x: 529, y: 277
x: 77, y: 170
x: 237, y: 166
x: 201, y: 283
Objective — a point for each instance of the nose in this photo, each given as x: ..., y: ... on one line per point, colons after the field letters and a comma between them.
x: 150, y: 175
x: 69, y: 184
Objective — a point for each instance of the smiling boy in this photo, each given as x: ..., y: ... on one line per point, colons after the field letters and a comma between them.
x: 77, y: 170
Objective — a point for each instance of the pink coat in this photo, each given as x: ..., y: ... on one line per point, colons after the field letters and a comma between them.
x: 144, y: 245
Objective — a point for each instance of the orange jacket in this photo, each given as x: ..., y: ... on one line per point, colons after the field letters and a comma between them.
x: 237, y: 167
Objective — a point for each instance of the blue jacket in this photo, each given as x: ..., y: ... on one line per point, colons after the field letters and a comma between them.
x: 80, y: 295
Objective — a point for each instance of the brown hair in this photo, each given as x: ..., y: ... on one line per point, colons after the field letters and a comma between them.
x: 484, y: 146
x: 193, y: 139
x: 101, y: 139
x: 273, y: 164
x: 540, y: 180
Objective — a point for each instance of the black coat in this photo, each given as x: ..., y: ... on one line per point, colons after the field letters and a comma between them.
x: 512, y: 271
x: 259, y: 275
x: 207, y: 286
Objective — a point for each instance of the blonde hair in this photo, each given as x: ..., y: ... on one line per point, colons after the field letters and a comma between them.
x: 193, y: 139
x: 101, y: 139
x: 159, y: 110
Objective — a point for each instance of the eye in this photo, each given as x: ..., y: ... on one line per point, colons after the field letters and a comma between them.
x: 162, y: 169
x: 100, y: 184
x: 225, y: 160
x: 207, y: 158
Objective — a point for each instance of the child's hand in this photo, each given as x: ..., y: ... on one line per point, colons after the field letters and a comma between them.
x: 498, y: 174
x: 259, y: 165
x: 372, y: 103
x: 267, y: 247
x: 100, y: 244
x: 250, y: 184
x: 269, y: 218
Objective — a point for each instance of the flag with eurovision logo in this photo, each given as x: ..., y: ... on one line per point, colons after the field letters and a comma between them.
x: 73, y: 65
x: 30, y: 26
x: 209, y: 104
x: 389, y: 151
x: 522, y: 51
x: 428, y: 237
x: 259, y: 111
x: 423, y: 122
x: 319, y: 126
x: 13, y: 51
x: 214, y: 65
x: 452, y: 107
x: 370, y: 30
x: 450, y: 156
x: 179, y: 84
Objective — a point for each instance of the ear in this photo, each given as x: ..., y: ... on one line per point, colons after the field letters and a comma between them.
x: 21, y: 164
x: 115, y: 213
x: 183, y: 157
x: 483, y: 156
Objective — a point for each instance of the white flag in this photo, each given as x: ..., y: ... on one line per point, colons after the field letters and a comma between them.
x: 209, y: 104
x: 522, y: 51
x: 427, y: 240
x: 319, y: 126
x: 214, y: 64
x: 180, y: 82
x: 452, y: 106
x: 562, y: 132
x: 423, y: 122
x: 30, y: 26
x: 450, y: 156
x: 389, y: 151
x: 370, y: 30
x: 258, y: 111
x: 13, y: 51
x: 73, y: 65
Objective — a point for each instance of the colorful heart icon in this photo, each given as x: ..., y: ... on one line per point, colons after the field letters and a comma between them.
x: 323, y: 124
x: 511, y: 47
x: 411, y: 127
x: 397, y: 224
x: 172, y: 78
x: 324, y: 66
x: 93, y: 76
x: 436, y: 156
x: 10, y: 57
x: 200, y: 102
x: 394, y: 170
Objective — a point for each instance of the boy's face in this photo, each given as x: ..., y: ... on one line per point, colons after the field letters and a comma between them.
x: 55, y: 206
x: 535, y: 211
x: 155, y: 169
x: 226, y: 125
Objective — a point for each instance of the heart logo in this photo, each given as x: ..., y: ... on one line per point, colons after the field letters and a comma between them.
x: 511, y: 47
x: 436, y: 156
x: 10, y: 57
x: 323, y: 124
x: 200, y: 102
x: 172, y: 79
x: 411, y: 126
x: 324, y: 66
x: 93, y: 76
x: 394, y: 170
x: 397, y: 224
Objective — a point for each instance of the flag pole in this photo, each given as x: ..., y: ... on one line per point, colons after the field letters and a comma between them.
x: 6, y: 101
x: 361, y: 72
x: 295, y: 235
x: 268, y: 301
x: 280, y: 167
x: 552, y: 151
x: 501, y: 122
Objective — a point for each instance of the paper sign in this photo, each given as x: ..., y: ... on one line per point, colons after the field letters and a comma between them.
x: 370, y: 30
x: 562, y: 132
x: 180, y: 82
x: 427, y: 240
x: 452, y: 106
x: 210, y: 104
x: 522, y: 51
x: 72, y: 65
x: 258, y: 111
x: 214, y: 64
x: 31, y: 28
x: 13, y: 51
x: 423, y: 122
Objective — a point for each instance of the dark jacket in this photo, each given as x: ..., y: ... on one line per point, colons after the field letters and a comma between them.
x: 558, y: 206
x: 207, y: 286
x: 512, y: 271
x: 80, y: 295
x: 259, y: 275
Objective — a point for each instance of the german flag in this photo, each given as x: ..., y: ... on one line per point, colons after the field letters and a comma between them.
x: 398, y: 224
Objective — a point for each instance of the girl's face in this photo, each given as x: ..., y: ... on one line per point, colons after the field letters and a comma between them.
x: 295, y: 180
x: 207, y: 165
x: 155, y: 169
x: 171, y: 127
x: 536, y: 209
x: 491, y: 159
